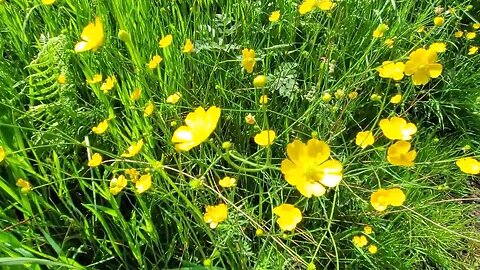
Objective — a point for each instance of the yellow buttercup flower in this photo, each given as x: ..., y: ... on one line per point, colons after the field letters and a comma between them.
x: 227, y: 182
x: 24, y: 185
x: 96, y: 79
x: 325, y: 5
x: 391, y: 70
x: 306, y: 6
x: 174, y: 98
x: 2, y: 153
x: 289, y: 216
x: 309, y: 5
x: 399, y: 154
x: 248, y: 59
x: 382, y: 198
x: 95, y: 161
x: 368, y: 229
x: 422, y: 65
x: 476, y: 26
x: 165, y: 41
x: 133, y: 149
x: 396, y: 99
x: 470, y: 35
x: 326, y: 97
x: 309, y: 168
x: 360, y: 240
x: 143, y: 183
x: 215, y: 214
x: 472, y: 50
x: 101, y: 127
x: 48, y: 2
x: 364, y: 139
x: 155, y: 61
x: 353, y: 95
x: 340, y: 93
x: 397, y: 128
x: 198, y: 127
x: 132, y: 174
x: 372, y: 249
x: 438, y: 21
x: 274, y: 16
x: 188, y: 47
x: 263, y: 100
x: 92, y: 37
x: 108, y: 84
x: 265, y: 138
x: 439, y: 47
x: 468, y: 165
x: 458, y: 34
x: 380, y: 30
x: 389, y: 43
x: 136, y: 94
x: 62, y: 79
x: 260, y: 81
x: 149, y: 109
x: 117, y: 184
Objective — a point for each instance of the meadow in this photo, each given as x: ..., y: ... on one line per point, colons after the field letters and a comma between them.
x: 235, y: 134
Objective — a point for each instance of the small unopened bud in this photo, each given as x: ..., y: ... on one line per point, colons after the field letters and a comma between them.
x: 260, y: 81
x: 226, y: 145
x: 124, y: 36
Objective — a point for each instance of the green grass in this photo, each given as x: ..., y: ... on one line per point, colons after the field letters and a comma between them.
x: 70, y: 219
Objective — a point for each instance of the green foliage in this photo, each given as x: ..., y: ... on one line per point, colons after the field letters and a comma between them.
x: 70, y: 220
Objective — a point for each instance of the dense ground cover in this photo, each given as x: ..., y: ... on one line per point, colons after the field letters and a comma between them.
x: 203, y: 134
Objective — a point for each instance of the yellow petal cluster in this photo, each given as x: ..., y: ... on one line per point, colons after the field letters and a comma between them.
x: 248, y: 59
x: 117, y: 184
x: 391, y: 70
x: 227, y: 182
x: 215, y: 214
x: 133, y: 149
x: 149, y: 109
x: 380, y: 30
x: 360, y: 240
x: 95, y: 161
x: 143, y: 183
x: 2, y: 153
x: 108, y: 84
x: 198, y: 127
x: 92, y: 37
x: 25, y: 185
x: 188, y: 47
x: 422, y: 66
x: 309, y: 167
x: 265, y: 138
x: 382, y: 198
x: 174, y: 98
x: 399, y: 154
x: 288, y: 216
x: 101, y: 127
x: 468, y: 165
x: 364, y: 139
x: 397, y: 128
x: 309, y: 5
x: 165, y: 41
x: 95, y: 79
x: 154, y: 62
x: 274, y: 16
